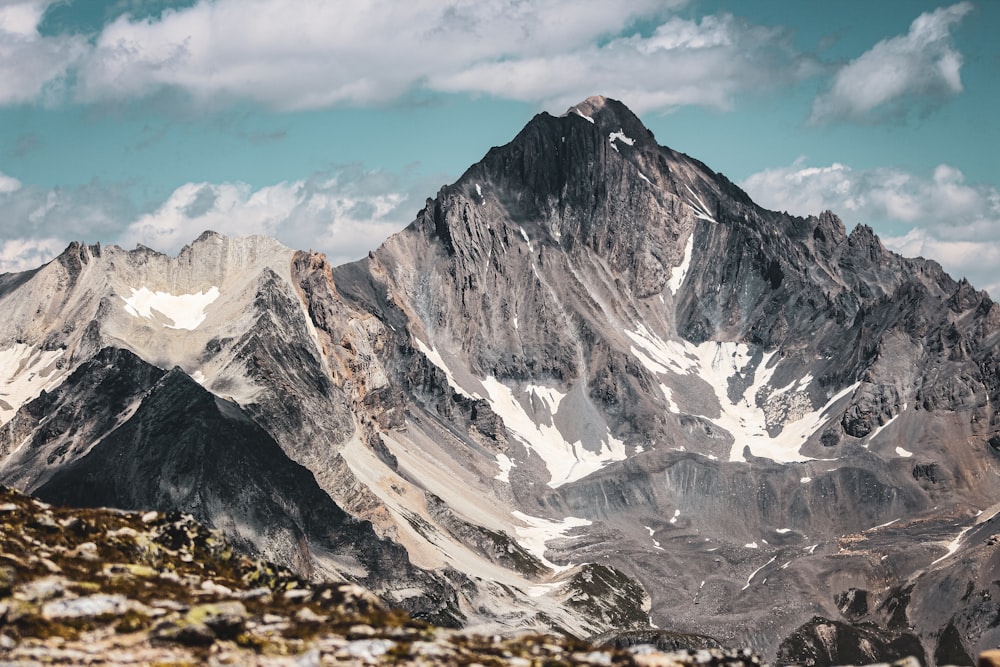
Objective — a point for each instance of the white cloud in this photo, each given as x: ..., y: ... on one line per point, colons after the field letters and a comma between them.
x: 25, y: 254
x: 8, y: 184
x: 304, y: 54
x: 38, y: 223
x: 682, y: 62
x: 93, y: 211
x: 32, y: 67
x: 949, y: 220
x: 344, y: 215
x: 909, y: 72
x: 21, y: 17
x: 314, y: 53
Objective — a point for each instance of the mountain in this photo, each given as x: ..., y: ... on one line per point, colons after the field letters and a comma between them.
x: 592, y: 387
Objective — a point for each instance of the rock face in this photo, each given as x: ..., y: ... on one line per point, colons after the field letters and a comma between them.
x: 592, y: 387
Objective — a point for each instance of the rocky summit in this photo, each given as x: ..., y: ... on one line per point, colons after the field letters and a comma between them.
x: 593, y: 389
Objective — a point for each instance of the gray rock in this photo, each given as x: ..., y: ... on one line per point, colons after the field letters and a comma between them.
x: 85, y: 607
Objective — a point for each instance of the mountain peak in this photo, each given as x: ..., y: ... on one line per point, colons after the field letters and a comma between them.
x: 613, y: 117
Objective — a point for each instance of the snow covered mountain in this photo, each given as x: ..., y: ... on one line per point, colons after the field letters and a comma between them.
x: 592, y: 387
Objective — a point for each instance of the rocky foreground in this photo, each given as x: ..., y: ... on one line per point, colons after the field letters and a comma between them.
x: 104, y: 587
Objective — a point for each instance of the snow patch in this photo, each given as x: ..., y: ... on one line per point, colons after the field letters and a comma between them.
x: 198, y: 377
x: 479, y: 190
x: 656, y: 544
x: 673, y: 519
x: 506, y: 465
x: 643, y: 177
x: 538, y: 532
x: 678, y: 273
x: 716, y: 362
x: 524, y: 234
x: 754, y: 573
x: 750, y: 545
x: 874, y: 434
x: 620, y: 136
x: 187, y: 311
x: 805, y: 480
x: 902, y: 452
x: 954, y: 544
x: 435, y: 358
x: 582, y: 115
x: 782, y: 531
x: 700, y: 210
x: 24, y: 372
x: 565, y: 461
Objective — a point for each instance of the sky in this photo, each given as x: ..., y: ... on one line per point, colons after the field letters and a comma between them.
x: 328, y: 124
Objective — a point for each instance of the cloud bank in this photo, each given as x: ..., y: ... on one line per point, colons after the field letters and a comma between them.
x: 345, y: 214
x: 309, y: 54
x: 312, y: 54
x: 33, y: 68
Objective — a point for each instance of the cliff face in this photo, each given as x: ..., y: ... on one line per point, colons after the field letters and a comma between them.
x: 592, y: 386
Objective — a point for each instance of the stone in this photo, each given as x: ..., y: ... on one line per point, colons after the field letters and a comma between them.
x: 368, y: 651
x: 189, y: 634
x: 307, y: 615
x: 86, y: 551
x: 225, y: 619
x: 85, y: 607
x: 42, y: 589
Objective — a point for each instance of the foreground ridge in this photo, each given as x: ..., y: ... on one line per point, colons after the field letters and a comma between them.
x: 104, y: 587
x: 96, y: 586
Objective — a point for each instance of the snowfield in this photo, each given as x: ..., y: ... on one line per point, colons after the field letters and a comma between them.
x: 715, y: 362
x: 186, y: 311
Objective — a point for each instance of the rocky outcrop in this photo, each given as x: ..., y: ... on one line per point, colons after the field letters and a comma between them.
x: 101, y: 587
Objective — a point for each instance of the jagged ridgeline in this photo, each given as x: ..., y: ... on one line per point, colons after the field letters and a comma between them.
x: 592, y: 388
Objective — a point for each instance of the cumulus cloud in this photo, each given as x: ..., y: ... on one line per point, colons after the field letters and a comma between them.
x: 23, y: 254
x: 949, y: 220
x: 312, y: 53
x: 38, y: 222
x: 32, y: 67
x: 915, y: 71
x: 8, y: 184
x: 307, y: 54
x: 344, y: 215
x: 682, y: 62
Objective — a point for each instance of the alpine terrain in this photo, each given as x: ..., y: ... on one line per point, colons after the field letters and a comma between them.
x: 592, y: 388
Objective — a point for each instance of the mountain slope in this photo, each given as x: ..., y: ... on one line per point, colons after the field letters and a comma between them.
x: 591, y: 387
x: 636, y: 321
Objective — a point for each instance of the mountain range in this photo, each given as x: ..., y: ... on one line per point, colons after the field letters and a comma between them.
x: 591, y: 388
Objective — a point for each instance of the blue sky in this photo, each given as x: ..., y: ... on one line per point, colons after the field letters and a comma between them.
x: 327, y: 124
